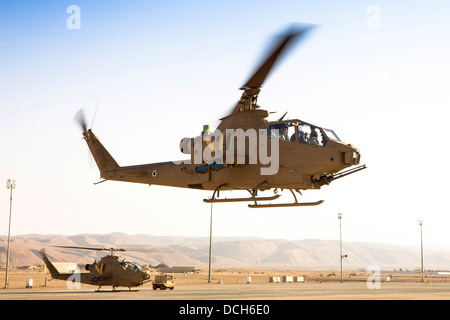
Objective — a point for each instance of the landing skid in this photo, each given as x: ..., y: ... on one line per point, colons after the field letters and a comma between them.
x: 256, y: 199
x: 115, y: 290
x: 277, y: 205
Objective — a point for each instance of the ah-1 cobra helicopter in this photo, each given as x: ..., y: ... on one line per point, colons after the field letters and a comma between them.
x: 109, y: 271
x: 302, y: 155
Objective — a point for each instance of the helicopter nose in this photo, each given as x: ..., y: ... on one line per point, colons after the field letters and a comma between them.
x: 352, y: 156
x: 356, y: 156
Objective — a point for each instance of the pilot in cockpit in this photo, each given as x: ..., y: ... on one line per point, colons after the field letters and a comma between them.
x: 284, y: 132
x: 313, y: 137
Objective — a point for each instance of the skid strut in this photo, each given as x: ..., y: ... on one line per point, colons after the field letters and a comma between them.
x: 278, y: 205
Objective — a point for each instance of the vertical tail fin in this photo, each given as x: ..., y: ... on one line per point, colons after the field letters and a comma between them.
x: 104, y: 160
x: 51, y: 268
x: 101, y: 156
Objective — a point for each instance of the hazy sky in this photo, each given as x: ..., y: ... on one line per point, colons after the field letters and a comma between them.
x: 377, y: 72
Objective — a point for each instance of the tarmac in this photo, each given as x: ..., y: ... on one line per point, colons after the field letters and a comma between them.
x: 268, y: 291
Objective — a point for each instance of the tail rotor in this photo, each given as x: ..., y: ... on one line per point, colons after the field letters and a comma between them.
x: 80, y: 118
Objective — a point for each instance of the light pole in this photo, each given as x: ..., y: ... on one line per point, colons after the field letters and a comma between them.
x: 210, y: 243
x: 10, y: 184
x: 340, y: 241
x: 421, y: 250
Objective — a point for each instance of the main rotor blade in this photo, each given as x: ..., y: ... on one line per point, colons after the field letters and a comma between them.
x: 105, y: 249
x: 284, y: 41
x: 86, y: 248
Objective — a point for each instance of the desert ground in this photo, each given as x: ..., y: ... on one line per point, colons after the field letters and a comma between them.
x: 243, y: 284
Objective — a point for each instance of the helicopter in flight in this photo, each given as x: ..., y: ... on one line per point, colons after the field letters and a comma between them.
x: 246, y: 151
x: 108, y: 271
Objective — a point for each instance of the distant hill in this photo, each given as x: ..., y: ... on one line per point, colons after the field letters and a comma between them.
x: 227, y: 252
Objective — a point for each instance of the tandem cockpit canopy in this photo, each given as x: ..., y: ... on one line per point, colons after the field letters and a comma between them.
x: 297, y: 130
x: 130, y: 266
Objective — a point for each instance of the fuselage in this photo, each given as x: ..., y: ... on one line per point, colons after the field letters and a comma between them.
x: 297, y: 158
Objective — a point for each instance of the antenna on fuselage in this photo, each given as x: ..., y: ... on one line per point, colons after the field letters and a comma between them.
x: 92, y: 123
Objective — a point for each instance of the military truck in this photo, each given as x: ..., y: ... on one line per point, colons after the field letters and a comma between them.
x: 163, y: 282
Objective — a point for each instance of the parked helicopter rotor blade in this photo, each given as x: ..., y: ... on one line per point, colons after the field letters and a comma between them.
x: 136, y: 250
x: 85, y: 248
x: 284, y: 40
x: 104, y: 249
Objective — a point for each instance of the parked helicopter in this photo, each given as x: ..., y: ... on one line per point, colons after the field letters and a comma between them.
x: 302, y: 155
x: 109, y: 271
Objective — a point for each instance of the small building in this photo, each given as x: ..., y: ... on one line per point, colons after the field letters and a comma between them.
x: 274, y: 279
x: 177, y: 269
x: 299, y: 279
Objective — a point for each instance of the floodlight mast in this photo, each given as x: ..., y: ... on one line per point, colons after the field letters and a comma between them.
x: 340, y: 242
x: 10, y: 184
x: 210, y: 245
x: 421, y: 251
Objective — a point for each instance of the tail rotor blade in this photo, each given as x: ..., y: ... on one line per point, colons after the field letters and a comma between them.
x: 79, y: 117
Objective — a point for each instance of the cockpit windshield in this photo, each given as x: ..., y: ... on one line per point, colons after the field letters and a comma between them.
x: 311, y: 135
x: 291, y: 130
x: 331, y: 135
